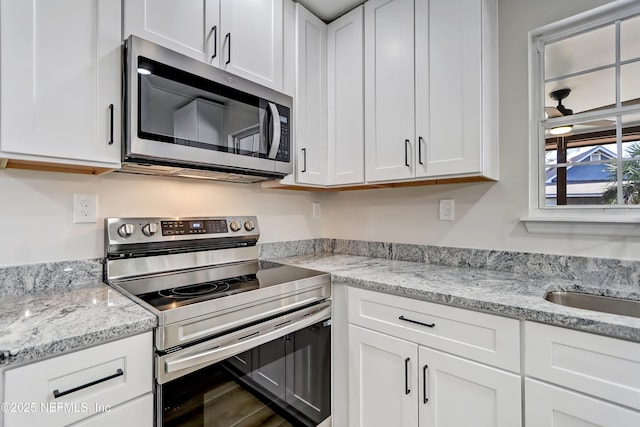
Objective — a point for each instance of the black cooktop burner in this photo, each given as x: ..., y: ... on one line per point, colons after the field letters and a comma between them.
x: 195, y: 290
x: 177, y: 297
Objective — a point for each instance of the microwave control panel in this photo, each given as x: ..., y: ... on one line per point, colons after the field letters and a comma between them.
x: 284, y: 153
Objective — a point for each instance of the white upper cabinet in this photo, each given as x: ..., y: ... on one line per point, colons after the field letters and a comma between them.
x: 244, y: 37
x: 345, y: 98
x: 456, y: 89
x: 310, y: 100
x: 430, y: 89
x: 191, y: 27
x: 251, y: 40
x: 60, y: 82
x: 389, y: 89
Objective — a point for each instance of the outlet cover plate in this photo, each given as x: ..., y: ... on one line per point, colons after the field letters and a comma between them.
x: 446, y: 210
x: 85, y: 208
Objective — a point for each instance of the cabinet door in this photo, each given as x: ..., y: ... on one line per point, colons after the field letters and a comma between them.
x: 449, y: 85
x: 60, y: 81
x: 382, y: 380
x: 389, y: 89
x: 251, y: 40
x: 550, y: 406
x: 310, y: 102
x: 137, y: 412
x: 457, y: 392
x: 190, y: 27
x: 345, y: 98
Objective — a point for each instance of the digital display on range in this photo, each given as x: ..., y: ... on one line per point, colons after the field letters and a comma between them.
x: 186, y: 227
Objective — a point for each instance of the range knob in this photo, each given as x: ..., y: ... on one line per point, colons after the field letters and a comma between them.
x: 235, y: 226
x: 126, y: 230
x: 150, y: 229
x: 249, y: 225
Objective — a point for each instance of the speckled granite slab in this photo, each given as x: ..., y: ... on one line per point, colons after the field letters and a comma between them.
x: 505, y: 293
x: 609, y: 273
x: 49, y: 276
x: 47, y: 323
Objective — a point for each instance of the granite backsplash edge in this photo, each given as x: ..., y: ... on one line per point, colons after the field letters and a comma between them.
x: 22, y: 279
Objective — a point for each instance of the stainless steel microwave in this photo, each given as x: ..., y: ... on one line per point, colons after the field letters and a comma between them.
x: 183, y: 117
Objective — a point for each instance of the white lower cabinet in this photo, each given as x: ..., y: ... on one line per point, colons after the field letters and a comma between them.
x: 578, y: 379
x: 138, y: 412
x: 110, y: 384
x: 383, y: 380
x: 458, y: 392
x: 550, y: 406
x: 395, y: 382
x: 415, y: 363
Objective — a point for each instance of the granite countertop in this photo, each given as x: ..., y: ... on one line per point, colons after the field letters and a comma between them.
x: 38, y: 324
x: 504, y: 293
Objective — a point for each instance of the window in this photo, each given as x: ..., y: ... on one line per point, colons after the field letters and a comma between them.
x: 585, y: 115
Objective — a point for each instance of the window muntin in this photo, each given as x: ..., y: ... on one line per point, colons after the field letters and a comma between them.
x: 601, y: 67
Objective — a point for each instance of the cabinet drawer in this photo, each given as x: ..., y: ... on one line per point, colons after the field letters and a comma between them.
x: 601, y: 366
x: 550, y: 406
x: 486, y: 338
x: 86, y: 382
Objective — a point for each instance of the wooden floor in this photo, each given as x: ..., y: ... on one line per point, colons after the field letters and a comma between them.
x: 229, y: 405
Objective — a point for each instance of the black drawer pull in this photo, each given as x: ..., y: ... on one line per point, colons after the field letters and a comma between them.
x: 57, y: 394
x: 428, y: 325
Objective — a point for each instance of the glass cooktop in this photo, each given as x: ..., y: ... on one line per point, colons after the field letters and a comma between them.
x: 181, y: 288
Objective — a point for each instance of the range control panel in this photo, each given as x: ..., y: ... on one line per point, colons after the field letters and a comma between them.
x: 194, y: 226
x: 146, y: 230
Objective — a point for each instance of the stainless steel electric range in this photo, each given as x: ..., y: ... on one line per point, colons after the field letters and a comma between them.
x: 239, y: 341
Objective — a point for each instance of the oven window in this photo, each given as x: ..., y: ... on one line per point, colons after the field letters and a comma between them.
x: 181, y: 108
x: 286, y: 382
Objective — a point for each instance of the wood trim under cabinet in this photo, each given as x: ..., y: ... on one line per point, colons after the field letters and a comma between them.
x: 52, y: 167
x: 274, y: 185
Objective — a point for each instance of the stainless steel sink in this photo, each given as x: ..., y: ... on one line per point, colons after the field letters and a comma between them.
x: 621, y: 306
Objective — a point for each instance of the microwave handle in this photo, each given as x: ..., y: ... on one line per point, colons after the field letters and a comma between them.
x: 275, y: 140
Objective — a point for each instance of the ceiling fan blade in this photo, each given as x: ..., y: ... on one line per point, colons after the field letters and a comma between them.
x: 602, y: 123
x: 552, y: 112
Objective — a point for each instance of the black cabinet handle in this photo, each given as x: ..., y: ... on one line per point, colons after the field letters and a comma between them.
x: 110, y: 124
x: 214, y: 30
x: 406, y: 376
x: 227, y: 40
x: 428, y: 325
x: 424, y: 383
x: 304, y: 160
x: 57, y: 394
x: 420, y: 140
x: 406, y: 152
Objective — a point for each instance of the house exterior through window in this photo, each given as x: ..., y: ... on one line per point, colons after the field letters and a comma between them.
x: 585, y: 115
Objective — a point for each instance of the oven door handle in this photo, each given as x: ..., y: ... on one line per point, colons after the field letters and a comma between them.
x: 278, y: 328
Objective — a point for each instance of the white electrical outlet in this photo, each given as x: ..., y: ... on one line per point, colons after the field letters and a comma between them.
x: 85, y: 208
x: 316, y: 210
x: 446, y: 210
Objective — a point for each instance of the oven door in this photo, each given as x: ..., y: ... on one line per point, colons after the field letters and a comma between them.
x: 275, y: 373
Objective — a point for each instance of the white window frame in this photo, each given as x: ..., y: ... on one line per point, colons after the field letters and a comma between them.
x: 589, y: 220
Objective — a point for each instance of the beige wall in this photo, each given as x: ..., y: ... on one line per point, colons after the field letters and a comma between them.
x: 36, y: 210
x: 487, y: 214
x: 36, y: 207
